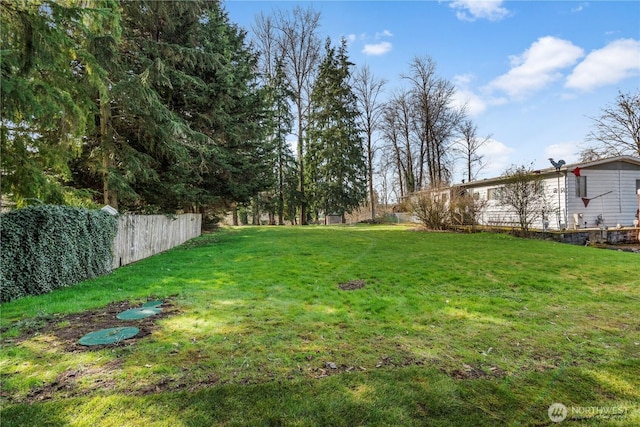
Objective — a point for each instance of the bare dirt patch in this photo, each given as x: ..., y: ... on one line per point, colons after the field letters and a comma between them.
x: 65, y: 384
x: 68, y: 329
x: 471, y: 373
x: 352, y: 285
x: 65, y: 331
x: 330, y: 368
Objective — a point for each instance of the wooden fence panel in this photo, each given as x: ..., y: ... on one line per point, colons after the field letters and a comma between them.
x: 141, y: 236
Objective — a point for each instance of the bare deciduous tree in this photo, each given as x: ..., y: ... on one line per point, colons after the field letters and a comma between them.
x: 419, y: 126
x: 367, y: 89
x: 387, y: 185
x: 265, y: 41
x: 617, y: 130
x: 469, y: 146
x: 396, y: 130
x: 524, y: 192
x: 435, y: 120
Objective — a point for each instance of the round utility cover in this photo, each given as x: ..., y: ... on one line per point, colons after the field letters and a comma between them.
x: 109, y: 336
x: 138, y: 313
x: 153, y: 303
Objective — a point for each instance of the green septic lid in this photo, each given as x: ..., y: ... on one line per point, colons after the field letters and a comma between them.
x: 109, y: 336
x: 153, y: 303
x: 138, y: 313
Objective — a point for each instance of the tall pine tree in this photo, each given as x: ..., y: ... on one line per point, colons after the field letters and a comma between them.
x: 283, y: 196
x: 49, y: 79
x: 335, y: 153
x: 179, y: 127
x: 241, y: 167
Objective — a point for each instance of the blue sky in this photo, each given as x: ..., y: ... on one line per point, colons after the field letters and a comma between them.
x: 532, y: 73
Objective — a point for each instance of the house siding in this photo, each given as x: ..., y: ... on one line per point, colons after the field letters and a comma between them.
x: 618, y: 207
x: 557, y: 211
x: 497, y: 214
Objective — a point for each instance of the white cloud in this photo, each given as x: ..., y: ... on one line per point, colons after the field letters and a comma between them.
x: 565, y: 151
x: 377, y: 49
x: 617, y: 61
x: 465, y: 97
x: 538, y: 66
x: 385, y: 33
x: 474, y: 104
x: 351, y: 38
x: 462, y: 80
x: 470, y: 10
x: 495, y: 101
x: 497, y: 156
x: 579, y: 8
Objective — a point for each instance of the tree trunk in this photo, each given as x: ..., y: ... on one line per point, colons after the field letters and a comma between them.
x: 234, y: 214
x: 303, y: 203
x: 110, y: 197
x: 280, y: 192
x: 370, y: 167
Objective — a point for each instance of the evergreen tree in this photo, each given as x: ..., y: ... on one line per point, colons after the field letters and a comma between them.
x: 138, y: 136
x: 49, y: 77
x: 283, y: 162
x: 179, y: 126
x: 232, y: 111
x: 154, y: 105
x: 335, y: 153
x: 235, y: 110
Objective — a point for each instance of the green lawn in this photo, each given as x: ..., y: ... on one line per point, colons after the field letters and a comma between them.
x: 448, y: 330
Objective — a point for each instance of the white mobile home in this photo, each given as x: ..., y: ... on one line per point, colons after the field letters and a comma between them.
x: 598, y: 194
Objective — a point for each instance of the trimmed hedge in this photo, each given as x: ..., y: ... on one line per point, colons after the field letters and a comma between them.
x: 48, y: 247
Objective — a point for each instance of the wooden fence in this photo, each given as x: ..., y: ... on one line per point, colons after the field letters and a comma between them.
x: 141, y: 236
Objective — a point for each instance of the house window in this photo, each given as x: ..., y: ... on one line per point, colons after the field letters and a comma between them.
x: 493, y: 193
x: 581, y: 186
x: 637, y: 185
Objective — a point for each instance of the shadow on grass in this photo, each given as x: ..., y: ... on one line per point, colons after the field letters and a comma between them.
x: 377, y: 398
x: 52, y: 415
x: 401, y: 397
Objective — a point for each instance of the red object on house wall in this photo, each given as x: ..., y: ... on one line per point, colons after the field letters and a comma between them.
x: 576, y: 171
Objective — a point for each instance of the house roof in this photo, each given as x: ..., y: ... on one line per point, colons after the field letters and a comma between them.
x: 584, y: 165
x: 551, y: 171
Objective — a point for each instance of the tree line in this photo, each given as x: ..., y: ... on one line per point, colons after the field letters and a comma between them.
x: 162, y: 106
x: 346, y: 132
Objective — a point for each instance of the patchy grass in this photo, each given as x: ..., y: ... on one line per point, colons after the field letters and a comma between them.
x: 338, y: 326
